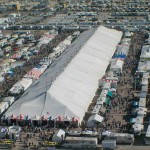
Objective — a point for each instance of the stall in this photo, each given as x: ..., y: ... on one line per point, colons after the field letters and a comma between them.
x: 58, y: 136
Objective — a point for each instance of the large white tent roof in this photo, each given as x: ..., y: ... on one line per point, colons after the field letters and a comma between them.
x: 68, y: 86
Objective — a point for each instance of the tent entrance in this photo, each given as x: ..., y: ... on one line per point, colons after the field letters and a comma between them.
x: 66, y: 123
x: 44, y: 122
x: 35, y: 123
x: 51, y: 123
x: 13, y: 121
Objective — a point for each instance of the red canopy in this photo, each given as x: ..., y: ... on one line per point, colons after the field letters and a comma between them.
x: 75, y: 119
x: 35, y: 73
x: 20, y: 117
x: 59, y: 118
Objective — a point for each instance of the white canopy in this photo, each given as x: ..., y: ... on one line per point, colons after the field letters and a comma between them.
x: 24, y: 82
x: 93, y: 119
x: 68, y: 86
x: 116, y: 64
x: 58, y: 136
x: 9, y: 99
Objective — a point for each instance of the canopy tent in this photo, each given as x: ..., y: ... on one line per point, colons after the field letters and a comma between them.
x: 120, y: 55
x: 59, y: 118
x: 67, y: 118
x: 138, y: 127
x: 24, y: 82
x: 110, y: 93
x: 44, y: 118
x: 36, y: 118
x: 58, y: 136
x: 138, y: 119
x: 20, y: 117
x: 93, y: 119
x: 3, y: 106
x: 142, y: 102
x: 27, y: 118
x: 67, y: 87
x: 75, y: 119
x: 34, y: 73
x: 144, y: 66
x: 9, y: 99
x: 116, y: 64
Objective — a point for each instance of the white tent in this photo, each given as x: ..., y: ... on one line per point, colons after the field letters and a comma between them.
x: 9, y: 99
x: 58, y: 136
x: 24, y: 82
x: 142, y: 102
x: 145, y: 55
x: 138, y: 127
x: 116, y: 66
x: 143, y: 66
x: 3, y: 106
x: 93, y: 119
x: 67, y: 87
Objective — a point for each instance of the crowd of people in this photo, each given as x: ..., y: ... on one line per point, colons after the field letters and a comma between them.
x: 120, y: 108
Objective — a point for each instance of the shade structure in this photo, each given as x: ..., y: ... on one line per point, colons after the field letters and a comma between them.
x: 13, y: 117
x: 34, y: 73
x: 44, y: 118
x: 20, y: 117
x: 69, y: 84
x: 94, y: 119
x: 59, y: 118
x: 51, y: 118
x: 27, y: 117
x: 67, y: 118
x: 36, y: 118
x: 75, y: 119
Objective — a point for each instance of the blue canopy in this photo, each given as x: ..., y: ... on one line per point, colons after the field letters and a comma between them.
x: 119, y: 55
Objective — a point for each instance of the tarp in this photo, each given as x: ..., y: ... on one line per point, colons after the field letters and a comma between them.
x: 69, y: 85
